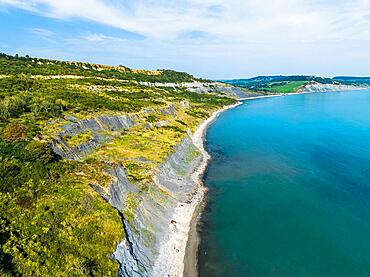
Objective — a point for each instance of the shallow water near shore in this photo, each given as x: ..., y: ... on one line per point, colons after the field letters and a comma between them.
x: 289, y: 187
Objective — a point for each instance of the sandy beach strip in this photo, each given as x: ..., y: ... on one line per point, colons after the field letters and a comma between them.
x: 189, y: 262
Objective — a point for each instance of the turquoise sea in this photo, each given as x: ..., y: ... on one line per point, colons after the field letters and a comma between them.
x: 289, y: 188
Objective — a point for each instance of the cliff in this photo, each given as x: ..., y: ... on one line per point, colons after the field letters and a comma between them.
x: 319, y: 87
x: 153, y: 224
x: 147, y: 216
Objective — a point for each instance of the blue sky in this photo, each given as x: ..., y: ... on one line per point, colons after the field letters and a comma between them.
x: 208, y: 38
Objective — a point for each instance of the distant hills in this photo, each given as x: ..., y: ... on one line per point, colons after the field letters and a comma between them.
x: 289, y: 84
x: 348, y: 80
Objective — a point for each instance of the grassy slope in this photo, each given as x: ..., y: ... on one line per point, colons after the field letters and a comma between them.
x: 45, y: 67
x: 51, y: 222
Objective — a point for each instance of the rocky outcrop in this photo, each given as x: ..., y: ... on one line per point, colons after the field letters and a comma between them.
x: 100, y: 127
x: 97, y: 126
x: 233, y: 91
x: 170, y: 110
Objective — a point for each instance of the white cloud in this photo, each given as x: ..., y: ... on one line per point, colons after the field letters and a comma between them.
x: 232, y: 19
x: 19, y: 3
x: 280, y: 34
x: 98, y: 38
x: 42, y: 32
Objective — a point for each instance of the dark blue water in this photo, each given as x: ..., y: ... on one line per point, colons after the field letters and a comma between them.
x: 289, y: 188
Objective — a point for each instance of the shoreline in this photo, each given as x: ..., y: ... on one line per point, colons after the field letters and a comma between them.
x: 303, y: 91
x: 190, y: 259
x: 191, y: 248
x: 182, y: 236
x: 259, y: 97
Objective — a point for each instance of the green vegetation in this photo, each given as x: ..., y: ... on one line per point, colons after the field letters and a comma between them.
x: 14, y: 132
x: 284, y: 87
x: 52, y: 223
x: 78, y: 139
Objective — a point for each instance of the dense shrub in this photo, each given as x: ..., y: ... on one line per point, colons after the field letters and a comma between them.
x: 12, y: 106
x: 14, y: 132
x: 41, y: 152
x: 47, y: 109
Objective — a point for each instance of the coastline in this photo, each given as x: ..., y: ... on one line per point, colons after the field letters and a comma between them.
x: 304, y: 91
x: 190, y: 259
x: 191, y: 247
x: 219, y: 135
x: 259, y: 97
x: 181, y: 231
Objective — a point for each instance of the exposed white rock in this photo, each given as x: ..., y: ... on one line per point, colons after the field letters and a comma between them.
x: 319, y: 87
x: 95, y: 125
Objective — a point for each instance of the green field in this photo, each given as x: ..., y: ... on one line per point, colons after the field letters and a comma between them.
x: 283, y: 87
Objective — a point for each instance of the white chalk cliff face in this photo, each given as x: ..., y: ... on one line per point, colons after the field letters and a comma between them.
x: 319, y: 87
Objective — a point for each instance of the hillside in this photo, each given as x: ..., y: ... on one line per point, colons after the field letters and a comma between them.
x: 89, y: 158
x: 44, y: 67
x: 292, y: 84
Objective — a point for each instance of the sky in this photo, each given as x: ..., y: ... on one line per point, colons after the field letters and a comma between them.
x: 217, y: 39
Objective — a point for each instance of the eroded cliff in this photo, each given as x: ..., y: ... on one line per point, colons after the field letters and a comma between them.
x: 146, y: 214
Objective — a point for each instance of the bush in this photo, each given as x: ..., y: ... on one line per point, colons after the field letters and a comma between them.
x: 9, y: 169
x: 47, y: 109
x: 11, y: 106
x: 41, y: 151
x: 14, y: 132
